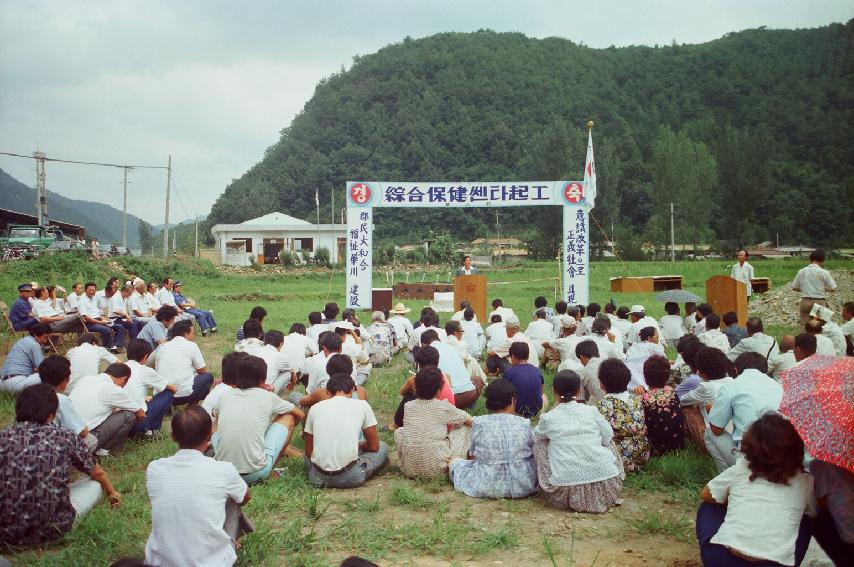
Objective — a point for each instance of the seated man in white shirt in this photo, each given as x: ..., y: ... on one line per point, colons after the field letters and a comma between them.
x: 73, y: 298
x: 57, y: 319
x: 150, y: 297
x: 316, y: 326
x: 138, y: 308
x: 166, y: 297
x: 429, y: 320
x: 563, y: 348
x: 829, y: 329
x: 106, y: 407
x: 279, y: 373
x: 120, y: 311
x: 254, y: 425
x: 458, y: 315
x: 473, y: 335
x: 352, y: 346
x: 498, y: 359
x: 195, y: 500
x: 499, y: 309
x: 334, y: 455
x: 824, y: 346
x: 587, y: 352
x: 142, y: 378
x: 180, y: 360
x: 298, y: 346
x: 55, y: 372
x: 712, y: 336
x: 96, y: 321
x: 756, y: 341
x: 700, y: 315
x: 315, y: 367
x: 539, y: 331
x: 784, y: 359
x: 227, y: 381
x: 640, y: 320
x: 336, y: 364
x: 86, y: 358
x: 456, y: 336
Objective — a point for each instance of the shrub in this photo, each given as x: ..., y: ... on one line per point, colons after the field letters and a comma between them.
x: 322, y: 256
x: 287, y: 258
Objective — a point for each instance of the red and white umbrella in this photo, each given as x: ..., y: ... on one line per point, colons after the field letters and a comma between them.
x: 818, y: 398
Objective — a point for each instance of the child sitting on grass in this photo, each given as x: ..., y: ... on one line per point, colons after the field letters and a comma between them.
x: 576, y: 465
x: 624, y: 412
x: 754, y: 511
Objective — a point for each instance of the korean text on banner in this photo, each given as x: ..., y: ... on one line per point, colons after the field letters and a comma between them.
x: 359, y: 257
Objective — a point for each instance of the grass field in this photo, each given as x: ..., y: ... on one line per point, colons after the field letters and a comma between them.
x: 393, y: 520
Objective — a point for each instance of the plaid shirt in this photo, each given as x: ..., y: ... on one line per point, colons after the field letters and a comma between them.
x: 35, y: 460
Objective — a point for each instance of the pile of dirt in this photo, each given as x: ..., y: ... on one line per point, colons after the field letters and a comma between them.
x: 779, y: 307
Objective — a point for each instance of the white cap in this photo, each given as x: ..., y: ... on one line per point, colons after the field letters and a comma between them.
x: 637, y: 309
x: 342, y: 325
x: 568, y: 322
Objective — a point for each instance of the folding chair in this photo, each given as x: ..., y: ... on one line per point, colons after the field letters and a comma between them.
x: 8, y: 329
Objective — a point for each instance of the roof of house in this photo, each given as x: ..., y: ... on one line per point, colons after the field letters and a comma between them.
x: 276, y: 218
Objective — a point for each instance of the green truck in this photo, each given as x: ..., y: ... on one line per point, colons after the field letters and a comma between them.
x: 23, y: 241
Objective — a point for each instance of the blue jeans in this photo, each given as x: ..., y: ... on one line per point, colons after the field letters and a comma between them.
x: 157, y: 408
x: 274, y: 441
x: 205, y: 318
x: 106, y: 333
x: 366, y: 466
x: 201, y: 387
x: 710, y: 517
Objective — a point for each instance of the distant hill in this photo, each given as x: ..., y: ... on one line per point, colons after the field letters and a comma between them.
x: 101, y: 221
x: 751, y: 135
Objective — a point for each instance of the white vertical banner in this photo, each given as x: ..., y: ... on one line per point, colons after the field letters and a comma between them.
x: 576, y: 254
x: 360, y: 241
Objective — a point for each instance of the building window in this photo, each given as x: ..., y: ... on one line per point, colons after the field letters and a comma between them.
x: 306, y: 244
x: 248, y: 242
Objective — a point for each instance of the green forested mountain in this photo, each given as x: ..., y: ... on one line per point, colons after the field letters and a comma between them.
x: 749, y: 135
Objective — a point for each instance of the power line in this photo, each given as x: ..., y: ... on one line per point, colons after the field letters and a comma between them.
x: 84, y: 162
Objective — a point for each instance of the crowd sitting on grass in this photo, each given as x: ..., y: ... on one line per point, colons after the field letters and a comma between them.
x: 618, y: 400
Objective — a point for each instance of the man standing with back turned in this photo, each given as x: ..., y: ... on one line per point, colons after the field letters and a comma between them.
x: 813, y: 282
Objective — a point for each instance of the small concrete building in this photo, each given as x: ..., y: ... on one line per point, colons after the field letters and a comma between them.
x: 262, y: 239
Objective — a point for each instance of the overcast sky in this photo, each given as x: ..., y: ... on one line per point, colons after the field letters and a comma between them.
x: 212, y: 83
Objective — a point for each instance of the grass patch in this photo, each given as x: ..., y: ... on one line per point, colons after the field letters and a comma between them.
x: 656, y: 523
x: 405, y: 495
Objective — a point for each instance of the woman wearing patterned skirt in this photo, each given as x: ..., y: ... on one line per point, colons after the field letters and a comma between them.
x: 577, y: 466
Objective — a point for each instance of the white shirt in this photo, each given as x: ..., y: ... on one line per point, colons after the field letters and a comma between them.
x: 141, y: 379
x: 277, y: 363
x: 672, y: 327
x: 699, y: 327
x: 297, y: 348
x: 189, y: 493
x: 165, y: 297
x: 151, y: 302
x: 460, y: 316
x: 95, y: 398
x: 336, y: 424
x: 566, y: 347
x: 847, y: 328
x: 743, y: 273
x: 540, y: 330
x: 503, y: 311
x: 637, y: 354
x: 834, y: 332
x: 86, y: 360
x: 315, y: 331
x: 177, y: 361
x: 71, y: 302
x: 315, y: 367
x: 781, y: 362
x: 715, y: 339
x: 136, y: 302
x: 88, y: 307
x: 473, y: 337
x: 757, y: 342
x: 44, y: 308
x: 415, y: 338
x: 211, y: 401
x: 118, y: 305
x: 814, y: 281
x: 636, y: 327
x: 705, y: 393
x: 607, y: 349
x: 495, y: 334
x: 244, y: 416
x: 402, y: 328
x: 690, y: 322
x: 779, y: 506
x: 824, y: 346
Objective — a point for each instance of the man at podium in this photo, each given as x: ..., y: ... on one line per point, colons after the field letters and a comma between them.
x: 743, y: 272
x: 466, y: 269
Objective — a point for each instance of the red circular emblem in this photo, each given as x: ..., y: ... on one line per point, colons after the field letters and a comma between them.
x: 573, y: 192
x: 360, y: 193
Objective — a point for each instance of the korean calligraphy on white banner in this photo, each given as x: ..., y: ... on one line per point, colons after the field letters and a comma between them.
x: 363, y: 196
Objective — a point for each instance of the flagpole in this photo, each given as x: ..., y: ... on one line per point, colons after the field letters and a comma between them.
x: 317, y: 202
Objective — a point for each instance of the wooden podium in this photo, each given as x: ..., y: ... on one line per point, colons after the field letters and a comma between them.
x: 472, y: 288
x: 725, y: 294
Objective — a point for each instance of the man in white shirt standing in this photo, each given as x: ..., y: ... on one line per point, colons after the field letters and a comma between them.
x: 180, y: 360
x: 195, y: 500
x: 813, y: 282
x: 334, y: 455
x: 86, y: 358
x: 641, y: 320
x: 742, y: 271
x: 106, y: 408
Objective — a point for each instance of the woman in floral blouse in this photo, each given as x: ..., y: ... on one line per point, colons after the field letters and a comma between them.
x: 433, y: 432
x: 665, y: 423
x: 624, y: 412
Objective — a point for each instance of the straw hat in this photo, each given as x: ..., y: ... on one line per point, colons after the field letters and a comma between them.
x: 400, y: 309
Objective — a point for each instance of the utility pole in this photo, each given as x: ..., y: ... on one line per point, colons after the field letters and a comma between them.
x: 41, y: 192
x: 125, y: 208
x: 166, y: 221
x: 498, y: 235
x: 196, y: 248
x: 672, y: 236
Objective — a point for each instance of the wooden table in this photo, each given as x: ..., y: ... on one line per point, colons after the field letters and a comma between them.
x: 645, y: 284
x: 760, y: 285
x: 420, y: 290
